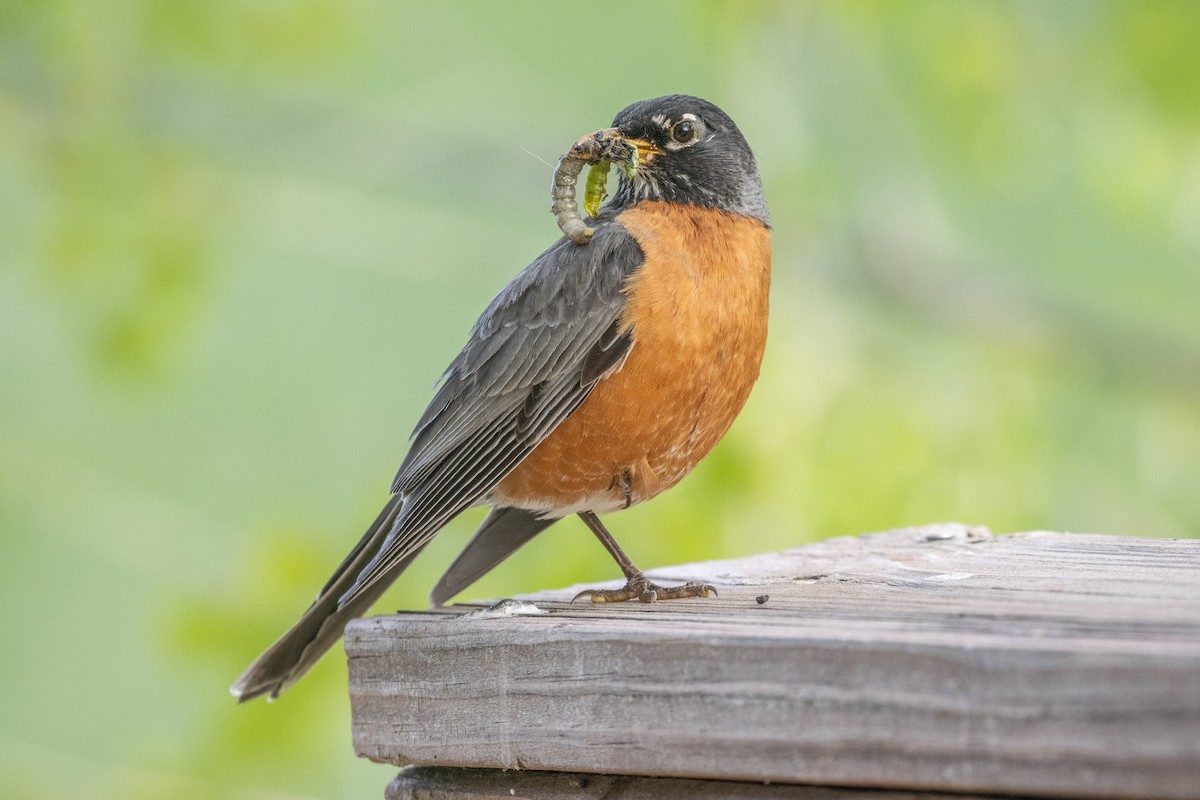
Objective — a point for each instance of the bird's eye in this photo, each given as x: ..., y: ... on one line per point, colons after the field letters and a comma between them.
x: 684, y: 132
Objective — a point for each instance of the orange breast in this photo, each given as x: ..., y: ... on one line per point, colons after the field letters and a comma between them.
x: 698, y: 308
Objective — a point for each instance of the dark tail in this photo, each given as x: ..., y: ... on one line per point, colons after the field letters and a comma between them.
x: 500, y: 535
x: 294, y: 654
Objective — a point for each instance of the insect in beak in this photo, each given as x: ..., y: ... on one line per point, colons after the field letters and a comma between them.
x: 599, y: 151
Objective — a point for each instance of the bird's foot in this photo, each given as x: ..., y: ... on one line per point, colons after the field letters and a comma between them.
x: 640, y: 588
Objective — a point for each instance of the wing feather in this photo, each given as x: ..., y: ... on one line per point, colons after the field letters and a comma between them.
x: 549, y: 316
x: 462, y: 480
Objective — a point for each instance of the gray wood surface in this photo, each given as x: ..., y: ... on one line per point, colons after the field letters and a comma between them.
x: 456, y: 783
x: 937, y: 658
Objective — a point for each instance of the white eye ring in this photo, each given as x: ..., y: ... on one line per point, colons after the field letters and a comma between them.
x: 684, y: 133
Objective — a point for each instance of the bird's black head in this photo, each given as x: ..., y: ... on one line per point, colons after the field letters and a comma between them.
x: 689, y: 152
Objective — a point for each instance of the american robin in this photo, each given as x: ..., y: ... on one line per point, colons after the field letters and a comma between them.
x: 594, y: 381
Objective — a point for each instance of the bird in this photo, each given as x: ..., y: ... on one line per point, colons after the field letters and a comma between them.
x: 595, y: 380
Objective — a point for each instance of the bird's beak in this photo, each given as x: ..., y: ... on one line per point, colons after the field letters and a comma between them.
x: 645, y: 149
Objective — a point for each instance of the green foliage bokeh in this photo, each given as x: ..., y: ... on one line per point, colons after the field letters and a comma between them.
x: 239, y: 241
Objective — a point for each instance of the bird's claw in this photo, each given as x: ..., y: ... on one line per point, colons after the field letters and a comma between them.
x: 640, y: 588
x: 691, y: 589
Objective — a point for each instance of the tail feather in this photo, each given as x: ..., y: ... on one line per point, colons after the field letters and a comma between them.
x: 284, y: 662
x: 503, y: 532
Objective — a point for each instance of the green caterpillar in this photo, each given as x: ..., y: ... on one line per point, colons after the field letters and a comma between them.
x: 595, y: 190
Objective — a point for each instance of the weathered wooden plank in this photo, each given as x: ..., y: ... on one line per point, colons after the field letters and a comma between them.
x: 935, y: 658
x: 455, y: 783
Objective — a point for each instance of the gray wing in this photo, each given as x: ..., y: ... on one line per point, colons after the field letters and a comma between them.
x: 507, y: 529
x: 531, y: 359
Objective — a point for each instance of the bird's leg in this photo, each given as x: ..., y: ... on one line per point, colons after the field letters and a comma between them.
x: 636, y: 584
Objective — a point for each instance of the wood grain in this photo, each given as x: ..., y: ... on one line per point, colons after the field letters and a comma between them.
x: 454, y: 783
x: 937, y: 658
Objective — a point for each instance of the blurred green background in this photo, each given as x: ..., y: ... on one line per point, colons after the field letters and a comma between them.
x: 239, y: 241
